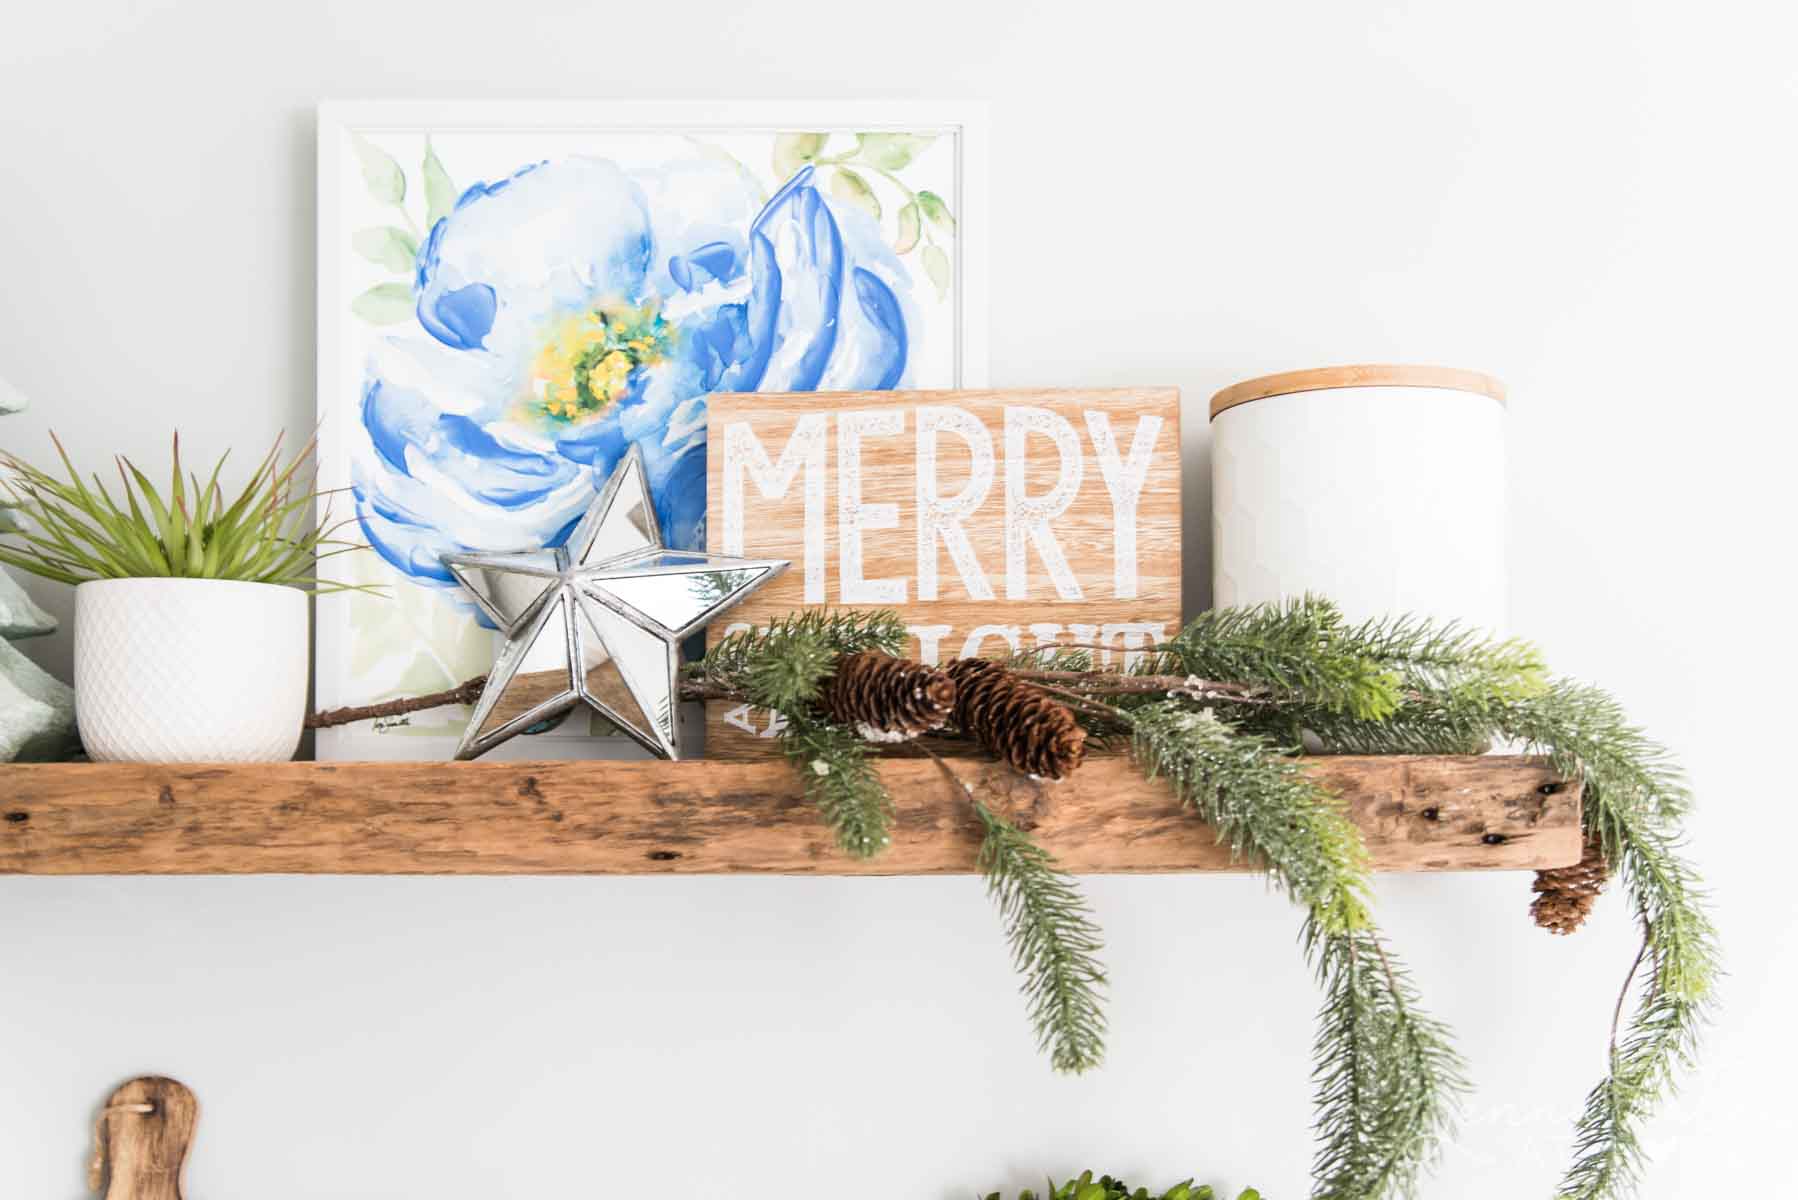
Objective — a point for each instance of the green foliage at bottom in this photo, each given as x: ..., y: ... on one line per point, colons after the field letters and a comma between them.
x: 1106, y: 1188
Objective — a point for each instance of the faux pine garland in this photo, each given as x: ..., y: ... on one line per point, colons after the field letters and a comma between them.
x: 1219, y: 710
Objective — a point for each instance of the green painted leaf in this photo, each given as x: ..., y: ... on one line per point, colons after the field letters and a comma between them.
x: 386, y: 182
x: 937, y: 212
x: 891, y: 150
x: 384, y: 304
x: 908, y: 229
x: 794, y: 150
x: 851, y: 188
x: 391, y: 248
x: 936, y: 265
x: 440, y: 193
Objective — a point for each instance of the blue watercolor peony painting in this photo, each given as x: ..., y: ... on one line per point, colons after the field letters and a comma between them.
x: 514, y: 332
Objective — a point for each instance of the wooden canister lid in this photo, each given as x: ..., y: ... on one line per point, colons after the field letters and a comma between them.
x: 1321, y: 378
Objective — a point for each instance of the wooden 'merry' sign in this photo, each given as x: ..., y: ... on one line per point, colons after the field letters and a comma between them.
x: 992, y: 521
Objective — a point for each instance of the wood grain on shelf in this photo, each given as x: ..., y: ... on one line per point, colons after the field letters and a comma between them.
x: 1416, y: 813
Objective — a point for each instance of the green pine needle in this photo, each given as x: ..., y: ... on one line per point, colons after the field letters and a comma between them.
x: 1292, y: 649
x: 1458, y: 691
x: 1262, y: 804
x: 1386, y: 1073
x: 1054, y: 943
x: 782, y: 668
x: 841, y: 779
x: 1634, y: 796
x: 1388, y: 1078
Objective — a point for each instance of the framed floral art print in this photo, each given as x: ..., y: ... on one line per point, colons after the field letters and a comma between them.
x: 512, y: 295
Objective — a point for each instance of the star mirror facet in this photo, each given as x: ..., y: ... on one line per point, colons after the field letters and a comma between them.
x: 598, y: 621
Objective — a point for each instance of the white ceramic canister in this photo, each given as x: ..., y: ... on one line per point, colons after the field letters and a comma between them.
x: 1381, y: 487
x: 190, y: 670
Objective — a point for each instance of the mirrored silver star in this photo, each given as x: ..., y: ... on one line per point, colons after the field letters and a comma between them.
x: 599, y: 620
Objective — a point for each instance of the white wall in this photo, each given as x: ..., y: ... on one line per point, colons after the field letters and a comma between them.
x: 1594, y: 201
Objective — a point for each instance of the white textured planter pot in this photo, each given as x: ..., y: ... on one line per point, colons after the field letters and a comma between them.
x: 190, y: 670
x: 1382, y: 488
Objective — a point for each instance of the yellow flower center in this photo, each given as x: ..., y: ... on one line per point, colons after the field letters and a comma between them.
x: 586, y: 360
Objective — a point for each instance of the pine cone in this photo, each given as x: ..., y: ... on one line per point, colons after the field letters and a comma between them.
x: 1016, y: 721
x: 888, y: 699
x: 1565, y: 895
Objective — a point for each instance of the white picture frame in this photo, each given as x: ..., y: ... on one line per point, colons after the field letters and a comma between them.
x: 484, y: 132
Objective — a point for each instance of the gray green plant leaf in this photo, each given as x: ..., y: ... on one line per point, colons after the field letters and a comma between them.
x: 793, y: 150
x: 386, y: 181
x: 908, y: 229
x: 936, y: 211
x: 387, y: 246
x: 851, y: 188
x: 936, y: 265
x: 440, y: 192
x: 385, y: 304
x: 891, y: 151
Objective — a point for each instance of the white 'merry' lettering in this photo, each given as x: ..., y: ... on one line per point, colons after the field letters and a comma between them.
x: 1124, y: 480
x: 941, y: 516
x: 743, y: 454
x: 1027, y: 517
x: 854, y: 515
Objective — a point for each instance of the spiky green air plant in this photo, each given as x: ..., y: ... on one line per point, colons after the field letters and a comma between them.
x: 264, y: 534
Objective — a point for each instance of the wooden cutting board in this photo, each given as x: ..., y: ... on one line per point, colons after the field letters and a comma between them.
x: 141, y: 1140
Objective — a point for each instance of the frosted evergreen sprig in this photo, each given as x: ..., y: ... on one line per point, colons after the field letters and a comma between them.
x: 1218, y: 711
x: 1457, y: 690
x: 840, y: 778
x: 1633, y: 799
x: 1261, y: 804
x: 782, y: 668
x: 1388, y: 1077
x: 1295, y: 649
x: 1054, y: 943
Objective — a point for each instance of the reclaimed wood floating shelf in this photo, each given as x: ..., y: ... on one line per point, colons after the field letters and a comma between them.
x: 645, y: 818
